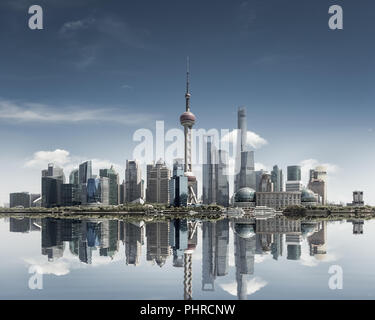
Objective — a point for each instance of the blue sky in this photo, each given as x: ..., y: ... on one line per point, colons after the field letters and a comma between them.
x: 99, y: 70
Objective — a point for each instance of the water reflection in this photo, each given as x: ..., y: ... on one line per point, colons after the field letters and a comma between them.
x: 178, y: 239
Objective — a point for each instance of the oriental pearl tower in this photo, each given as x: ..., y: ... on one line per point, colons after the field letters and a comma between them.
x: 187, y: 120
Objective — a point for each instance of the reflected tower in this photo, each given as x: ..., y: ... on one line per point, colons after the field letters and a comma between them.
x: 188, y: 259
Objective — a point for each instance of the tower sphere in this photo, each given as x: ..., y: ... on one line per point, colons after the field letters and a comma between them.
x: 187, y: 118
x: 190, y: 176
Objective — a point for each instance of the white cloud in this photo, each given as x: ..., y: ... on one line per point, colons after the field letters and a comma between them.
x: 253, y: 139
x: 72, y: 26
x: 308, y: 164
x: 69, y: 262
x: 35, y: 112
x: 259, y: 258
x: 62, y: 158
x: 59, y: 267
x: 253, y: 285
x: 42, y: 158
x: 126, y: 86
x: 261, y: 166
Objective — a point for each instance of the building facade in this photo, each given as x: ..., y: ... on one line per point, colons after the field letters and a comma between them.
x: 277, y: 179
x: 133, y: 181
x: 318, y: 183
x: 19, y: 199
x: 178, y: 185
x: 278, y: 200
x: 113, y: 177
x: 158, y: 176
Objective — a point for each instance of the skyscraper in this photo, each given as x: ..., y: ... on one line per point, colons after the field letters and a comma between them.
x: 133, y: 181
x: 277, y: 179
x: 85, y: 172
x: 242, y: 127
x: 93, y: 190
x: 74, y: 177
x: 17, y: 199
x: 245, y: 177
x: 318, y: 183
x: 294, y: 179
x: 215, y: 175
x: 111, y: 174
x: 266, y: 184
x: 222, y: 179
x: 178, y: 185
x: 158, y: 183
x: 187, y: 120
x: 52, y: 179
x: 105, y: 191
x: 67, y: 194
x: 209, y: 172
x: 122, y: 192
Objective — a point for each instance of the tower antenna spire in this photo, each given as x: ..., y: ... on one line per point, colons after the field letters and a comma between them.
x: 187, y: 74
x: 187, y: 94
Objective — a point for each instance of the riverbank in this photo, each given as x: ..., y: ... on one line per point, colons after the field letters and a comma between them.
x: 332, y: 212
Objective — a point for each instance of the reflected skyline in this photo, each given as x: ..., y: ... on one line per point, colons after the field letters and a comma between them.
x: 176, y: 242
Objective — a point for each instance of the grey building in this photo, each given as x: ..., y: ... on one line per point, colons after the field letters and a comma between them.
x: 85, y: 172
x: 246, y: 178
x: 122, y: 192
x: 215, y: 175
x: 318, y: 183
x: 105, y: 191
x: 265, y: 184
x: 209, y: 172
x: 67, y: 194
x: 158, y: 176
x: 133, y: 181
x: 178, y: 185
x: 277, y: 179
x: 358, y: 198
x: 222, y: 179
x: 294, y: 173
x: 52, y: 179
x: 134, y: 239
x: 178, y: 240
x: 74, y: 177
x: 113, y: 177
x: 19, y: 199
x: 158, y: 246
x: 258, y: 178
x: 278, y: 200
x: 294, y: 179
x: 245, y: 174
x: 242, y: 127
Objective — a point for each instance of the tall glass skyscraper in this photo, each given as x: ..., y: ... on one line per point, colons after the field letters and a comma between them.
x: 178, y: 185
x: 113, y: 177
x: 294, y: 173
x: 85, y: 172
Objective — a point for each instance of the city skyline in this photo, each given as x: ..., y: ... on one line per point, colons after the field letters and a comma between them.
x: 80, y: 88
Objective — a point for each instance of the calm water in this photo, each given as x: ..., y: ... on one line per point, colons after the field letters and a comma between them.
x: 228, y: 259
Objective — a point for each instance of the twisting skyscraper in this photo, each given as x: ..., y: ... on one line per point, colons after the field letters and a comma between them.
x: 187, y: 120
